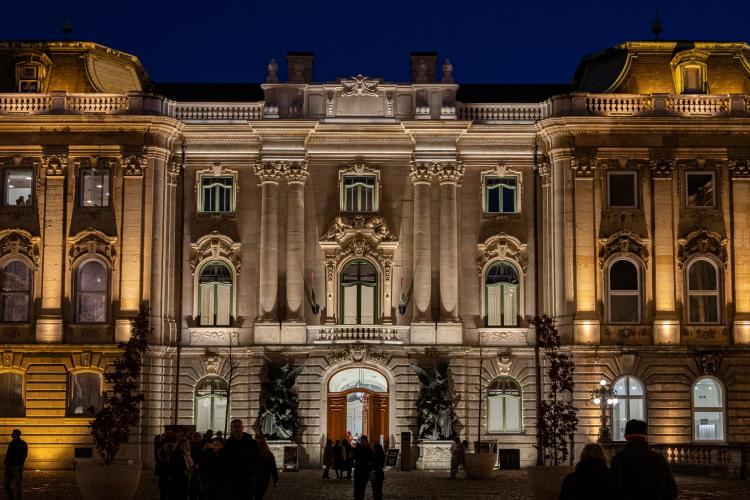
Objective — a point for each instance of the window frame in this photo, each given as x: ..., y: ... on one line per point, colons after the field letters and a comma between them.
x: 22, y: 386
x: 375, y: 193
x: 79, y: 186
x: 359, y: 285
x: 626, y: 293
x: 199, y: 294
x: 70, y: 393
x: 77, y: 291
x: 6, y: 199
x: 721, y: 409
x: 702, y: 77
x: 232, y: 196
x: 503, y: 420
x: 716, y: 188
x: 636, y: 191
x: 485, y: 291
x: 626, y: 398
x: 704, y: 293
x: 30, y: 304
x: 212, y: 396
x: 485, y: 193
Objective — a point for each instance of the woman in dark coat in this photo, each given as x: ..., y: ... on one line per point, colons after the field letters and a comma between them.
x: 362, y: 467
x: 212, y: 472
x: 592, y: 479
x: 268, y: 469
x: 327, y: 459
x: 348, y: 455
x: 338, y: 462
x: 378, y: 464
x: 180, y: 469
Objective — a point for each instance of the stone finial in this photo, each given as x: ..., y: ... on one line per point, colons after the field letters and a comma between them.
x: 448, y: 72
x: 273, y: 71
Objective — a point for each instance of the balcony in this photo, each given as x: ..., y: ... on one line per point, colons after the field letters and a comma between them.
x: 357, y: 334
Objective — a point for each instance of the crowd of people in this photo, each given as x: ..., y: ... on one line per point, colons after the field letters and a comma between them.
x: 211, y: 467
x: 367, y: 462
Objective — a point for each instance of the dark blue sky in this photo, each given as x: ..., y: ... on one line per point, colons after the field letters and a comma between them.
x: 487, y: 40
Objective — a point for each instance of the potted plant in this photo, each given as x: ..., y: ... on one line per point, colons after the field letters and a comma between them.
x: 120, y: 412
x: 557, y: 418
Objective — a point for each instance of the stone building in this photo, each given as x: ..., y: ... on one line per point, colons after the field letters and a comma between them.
x: 359, y: 226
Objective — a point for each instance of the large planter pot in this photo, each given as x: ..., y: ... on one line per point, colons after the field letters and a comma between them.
x: 480, y: 465
x: 545, y: 482
x: 117, y: 481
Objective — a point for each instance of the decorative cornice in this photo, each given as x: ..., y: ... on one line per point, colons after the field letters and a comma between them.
x: 372, y: 225
x: 19, y: 242
x: 662, y: 168
x: 55, y: 165
x: 212, y: 246
x: 92, y: 242
x: 702, y: 241
x: 622, y: 242
x: 359, y: 85
x: 739, y: 168
x: 502, y: 246
x: 133, y: 165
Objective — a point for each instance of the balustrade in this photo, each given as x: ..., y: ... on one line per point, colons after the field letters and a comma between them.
x: 357, y: 334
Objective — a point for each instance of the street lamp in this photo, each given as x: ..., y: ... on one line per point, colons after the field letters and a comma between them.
x: 604, y: 396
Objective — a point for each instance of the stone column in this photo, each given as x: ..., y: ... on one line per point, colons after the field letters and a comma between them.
x: 666, y: 323
x: 296, y: 175
x: 421, y: 176
x: 739, y: 171
x: 49, y: 326
x: 586, y: 324
x: 449, y: 175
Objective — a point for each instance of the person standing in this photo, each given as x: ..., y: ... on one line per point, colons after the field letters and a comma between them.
x: 363, y: 462
x: 196, y: 453
x: 327, y: 458
x: 212, y: 471
x: 268, y: 469
x: 378, y: 466
x: 592, y: 479
x: 161, y: 468
x: 641, y: 473
x: 15, y: 456
x: 242, y: 462
x: 458, y: 453
x: 347, y: 454
x: 338, y: 451
x: 180, y: 471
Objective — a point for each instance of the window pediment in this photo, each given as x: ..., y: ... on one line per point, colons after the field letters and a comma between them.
x: 20, y: 242
x: 373, y: 228
x: 703, y: 242
x: 92, y: 242
x: 502, y: 246
x: 212, y: 246
x: 622, y: 242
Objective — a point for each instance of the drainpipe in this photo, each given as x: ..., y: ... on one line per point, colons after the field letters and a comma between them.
x: 537, y: 360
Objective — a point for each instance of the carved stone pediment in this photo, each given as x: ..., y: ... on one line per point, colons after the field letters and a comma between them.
x: 623, y: 242
x: 372, y: 227
x: 502, y: 246
x: 357, y: 354
x: 359, y: 85
x: 702, y: 241
x: 358, y: 247
x: 19, y: 242
x: 212, y: 246
x: 92, y: 242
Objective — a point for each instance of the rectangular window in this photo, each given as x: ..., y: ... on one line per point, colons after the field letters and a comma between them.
x: 11, y: 395
x: 624, y: 308
x: 700, y: 191
x: 501, y: 195
x: 28, y: 79
x: 623, y: 189
x: 17, y: 184
x: 93, y: 187
x: 85, y: 394
x: 359, y: 194
x: 692, y: 80
x: 216, y: 194
x: 703, y: 308
x: 709, y: 426
x: 504, y: 413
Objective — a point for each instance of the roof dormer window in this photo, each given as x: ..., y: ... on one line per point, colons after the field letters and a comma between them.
x: 693, y: 79
x: 32, y: 72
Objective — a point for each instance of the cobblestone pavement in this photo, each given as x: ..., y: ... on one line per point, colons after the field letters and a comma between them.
x: 415, y: 485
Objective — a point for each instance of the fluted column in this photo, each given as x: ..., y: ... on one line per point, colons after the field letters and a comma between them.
x: 421, y: 176
x: 449, y: 174
x: 296, y: 174
x: 269, y: 173
x: 740, y: 174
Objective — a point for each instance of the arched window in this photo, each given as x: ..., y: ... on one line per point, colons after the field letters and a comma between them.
x: 215, y: 294
x: 85, y: 394
x: 359, y: 297
x: 92, y: 292
x: 11, y: 395
x: 708, y: 410
x: 624, y: 292
x: 211, y: 404
x: 358, y: 378
x: 504, y: 405
x: 15, y: 292
x: 703, y: 292
x: 631, y: 404
x: 501, y: 294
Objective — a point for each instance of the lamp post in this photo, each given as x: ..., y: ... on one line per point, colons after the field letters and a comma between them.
x: 604, y: 396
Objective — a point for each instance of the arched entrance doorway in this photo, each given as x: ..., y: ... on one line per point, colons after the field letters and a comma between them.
x: 358, y: 404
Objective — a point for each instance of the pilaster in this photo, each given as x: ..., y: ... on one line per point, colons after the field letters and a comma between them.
x: 739, y: 171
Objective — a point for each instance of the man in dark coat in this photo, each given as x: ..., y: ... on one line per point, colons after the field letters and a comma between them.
x: 363, y: 457
x: 15, y: 456
x: 641, y: 473
x: 242, y: 463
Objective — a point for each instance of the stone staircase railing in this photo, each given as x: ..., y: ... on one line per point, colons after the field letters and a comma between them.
x: 380, y: 334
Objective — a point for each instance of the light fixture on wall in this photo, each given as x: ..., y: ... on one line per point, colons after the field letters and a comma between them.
x: 604, y: 396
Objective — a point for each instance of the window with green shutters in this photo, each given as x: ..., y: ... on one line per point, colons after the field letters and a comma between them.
x: 502, y: 295
x: 216, y: 194
x: 501, y: 194
x: 215, y: 294
x: 504, y: 408
x: 359, y: 194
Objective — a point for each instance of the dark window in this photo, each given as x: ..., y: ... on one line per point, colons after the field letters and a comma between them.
x: 11, y: 395
x: 85, y: 394
x: 624, y: 292
x: 93, y: 185
x: 15, y: 294
x: 359, y: 194
x: 700, y: 189
x: 216, y: 194
x: 501, y: 194
x: 92, y: 292
x: 703, y: 292
x: 18, y: 184
x: 622, y: 189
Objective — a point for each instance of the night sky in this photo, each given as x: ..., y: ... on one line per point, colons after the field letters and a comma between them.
x: 486, y: 40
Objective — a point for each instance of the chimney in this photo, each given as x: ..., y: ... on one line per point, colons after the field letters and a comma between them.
x: 423, y: 66
x: 300, y: 65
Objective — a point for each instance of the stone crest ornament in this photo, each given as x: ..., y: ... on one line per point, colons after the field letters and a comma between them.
x: 7, y: 359
x: 503, y: 365
x: 583, y: 165
x: 92, y: 242
x: 212, y: 246
x: 55, y: 164
x: 132, y: 166
x: 357, y: 354
x: 85, y: 359
x: 19, y: 242
x: 622, y: 242
x: 704, y: 242
x: 343, y: 226
x: 662, y: 168
x: 359, y: 85
x: 211, y: 363
x: 739, y: 169
x: 502, y: 246
x: 709, y: 363
x: 358, y: 247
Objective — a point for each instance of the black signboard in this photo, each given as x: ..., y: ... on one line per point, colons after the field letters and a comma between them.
x: 290, y: 458
x: 509, y: 458
x: 392, y: 458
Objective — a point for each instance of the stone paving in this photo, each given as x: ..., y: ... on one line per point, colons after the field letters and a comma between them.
x: 415, y: 485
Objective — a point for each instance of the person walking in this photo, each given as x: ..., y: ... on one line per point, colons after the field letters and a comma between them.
x: 338, y: 451
x: 592, y: 479
x: 212, y: 471
x: 347, y: 454
x: 268, y: 469
x: 327, y: 458
x: 15, y: 456
x: 180, y: 471
x: 378, y: 466
x: 242, y: 462
x: 641, y: 473
x: 363, y: 463
x: 458, y: 452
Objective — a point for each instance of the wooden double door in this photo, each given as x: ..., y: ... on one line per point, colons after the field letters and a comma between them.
x: 358, y: 411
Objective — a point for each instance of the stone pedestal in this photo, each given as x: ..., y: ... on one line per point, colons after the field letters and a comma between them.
x: 49, y: 329
x: 277, y: 448
x: 122, y: 330
x: 741, y: 333
x: 587, y: 331
x: 422, y: 333
x: 293, y: 333
x: 267, y: 333
x: 434, y: 455
x: 667, y: 331
x: 449, y: 333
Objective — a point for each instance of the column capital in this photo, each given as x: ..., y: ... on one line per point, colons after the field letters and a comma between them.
x: 421, y: 171
x: 583, y: 165
x: 270, y: 171
x: 55, y: 165
x: 661, y: 168
x: 739, y: 168
x: 449, y: 172
x: 296, y: 171
x: 174, y: 169
x: 133, y: 165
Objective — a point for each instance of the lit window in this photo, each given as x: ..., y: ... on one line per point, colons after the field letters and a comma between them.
x: 501, y: 195
x: 358, y: 378
x: 359, y: 282
x: 93, y: 186
x: 18, y: 184
x: 501, y: 294
x: 708, y: 410
x: 211, y: 404
x: 92, y: 287
x: 631, y: 404
x: 85, y: 394
x: 692, y: 80
x: 216, y: 194
x: 15, y: 293
x: 215, y: 294
x: 358, y: 193
x: 28, y: 78
x: 504, y: 405
x: 624, y: 292
x: 703, y: 292
x: 623, y: 189
x: 11, y: 395
x: 700, y: 189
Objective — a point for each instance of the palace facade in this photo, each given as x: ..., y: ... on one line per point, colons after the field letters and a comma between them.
x: 359, y: 226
